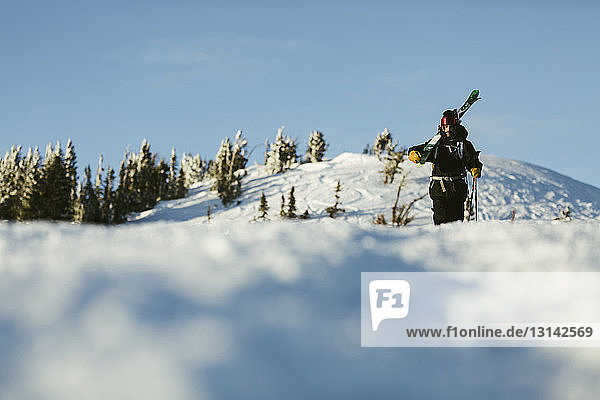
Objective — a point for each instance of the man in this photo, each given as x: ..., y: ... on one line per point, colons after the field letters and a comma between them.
x: 452, y: 156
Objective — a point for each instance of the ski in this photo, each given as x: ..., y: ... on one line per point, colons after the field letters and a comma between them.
x: 473, y: 97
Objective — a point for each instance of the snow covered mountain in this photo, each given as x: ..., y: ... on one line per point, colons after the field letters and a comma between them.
x: 533, y: 192
x: 171, y: 306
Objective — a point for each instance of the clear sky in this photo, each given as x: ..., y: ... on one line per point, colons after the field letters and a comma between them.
x: 185, y: 74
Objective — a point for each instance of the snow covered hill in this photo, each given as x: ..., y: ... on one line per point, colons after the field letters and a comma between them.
x: 173, y: 307
x: 533, y: 192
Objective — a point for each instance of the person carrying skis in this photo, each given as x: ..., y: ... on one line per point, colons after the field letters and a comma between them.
x: 451, y: 156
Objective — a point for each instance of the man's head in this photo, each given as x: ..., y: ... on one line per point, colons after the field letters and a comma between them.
x: 449, y: 121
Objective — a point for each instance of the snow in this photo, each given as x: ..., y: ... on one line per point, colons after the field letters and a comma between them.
x: 506, y: 185
x: 172, y: 306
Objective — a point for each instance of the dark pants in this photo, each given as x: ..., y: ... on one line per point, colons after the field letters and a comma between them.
x: 448, y: 204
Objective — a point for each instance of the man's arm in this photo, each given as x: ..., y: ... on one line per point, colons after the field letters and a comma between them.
x: 471, y: 157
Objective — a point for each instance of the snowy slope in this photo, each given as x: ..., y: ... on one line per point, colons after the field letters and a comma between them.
x: 533, y: 192
x: 173, y: 307
x: 260, y: 311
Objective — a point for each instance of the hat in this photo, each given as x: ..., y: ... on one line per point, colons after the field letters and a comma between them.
x: 450, y: 117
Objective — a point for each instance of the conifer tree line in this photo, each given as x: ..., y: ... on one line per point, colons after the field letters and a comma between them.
x: 33, y: 188
x: 49, y: 188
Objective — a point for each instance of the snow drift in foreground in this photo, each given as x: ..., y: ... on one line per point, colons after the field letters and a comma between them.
x: 261, y: 311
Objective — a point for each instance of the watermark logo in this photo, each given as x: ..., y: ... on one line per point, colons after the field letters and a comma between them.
x: 389, y: 299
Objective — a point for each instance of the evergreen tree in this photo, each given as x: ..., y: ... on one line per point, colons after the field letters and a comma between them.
x: 98, y: 184
x: 316, y: 147
x: 88, y: 206
x: 334, y: 210
x: 179, y: 189
x: 123, y: 195
x: 11, y: 182
x: 55, y: 186
x: 172, y: 175
x: 71, y: 174
x: 192, y: 169
x: 263, y: 208
x: 108, y: 198
x: 382, y: 141
x: 280, y: 154
x: 291, y: 211
x: 31, y: 200
x: 161, y: 181
x: 228, y: 168
x: 282, y: 212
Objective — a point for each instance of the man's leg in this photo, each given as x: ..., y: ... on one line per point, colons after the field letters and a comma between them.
x: 440, y: 203
x: 441, y: 211
x: 457, y: 202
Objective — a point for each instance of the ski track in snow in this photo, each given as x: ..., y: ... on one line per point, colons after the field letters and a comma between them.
x: 171, y: 306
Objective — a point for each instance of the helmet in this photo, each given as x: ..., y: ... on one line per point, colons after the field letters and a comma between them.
x: 450, y: 117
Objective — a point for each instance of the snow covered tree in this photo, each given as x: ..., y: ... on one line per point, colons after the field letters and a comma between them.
x: 99, y: 171
x: 31, y: 200
x: 11, y: 182
x: 316, y: 147
x: 193, y: 169
x: 161, y: 181
x: 71, y: 173
x: 334, y: 210
x: 107, y: 207
x: 55, y: 186
x: 382, y: 141
x: 123, y: 197
x: 281, y: 154
x: 228, y: 169
x: 87, y: 208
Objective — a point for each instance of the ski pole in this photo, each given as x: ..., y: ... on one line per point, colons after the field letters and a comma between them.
x: 475, y: 191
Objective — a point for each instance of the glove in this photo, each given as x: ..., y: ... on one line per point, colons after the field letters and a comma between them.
x: 476, y: 172
x: 414, y: 156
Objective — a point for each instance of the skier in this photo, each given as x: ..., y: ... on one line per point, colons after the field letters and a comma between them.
x: 452, y: 156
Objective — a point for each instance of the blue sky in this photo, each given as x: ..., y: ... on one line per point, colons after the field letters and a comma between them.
x: 185, y: 74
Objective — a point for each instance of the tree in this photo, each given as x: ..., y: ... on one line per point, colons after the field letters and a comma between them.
x: 282, y: 212
x: 11, y: 182
x: 334, y: 210
x: 88, y: 207
x: 107, y: 207
x: 291, y: 211
x: 263, y: 208
x: 71, y: 174
x: 281, y: 154
x: 316, y: 147
x: 228, y: 169
x: 55, y: 186
x: 31, y: 198
x: 192, y: 169
x: 382, y: 141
